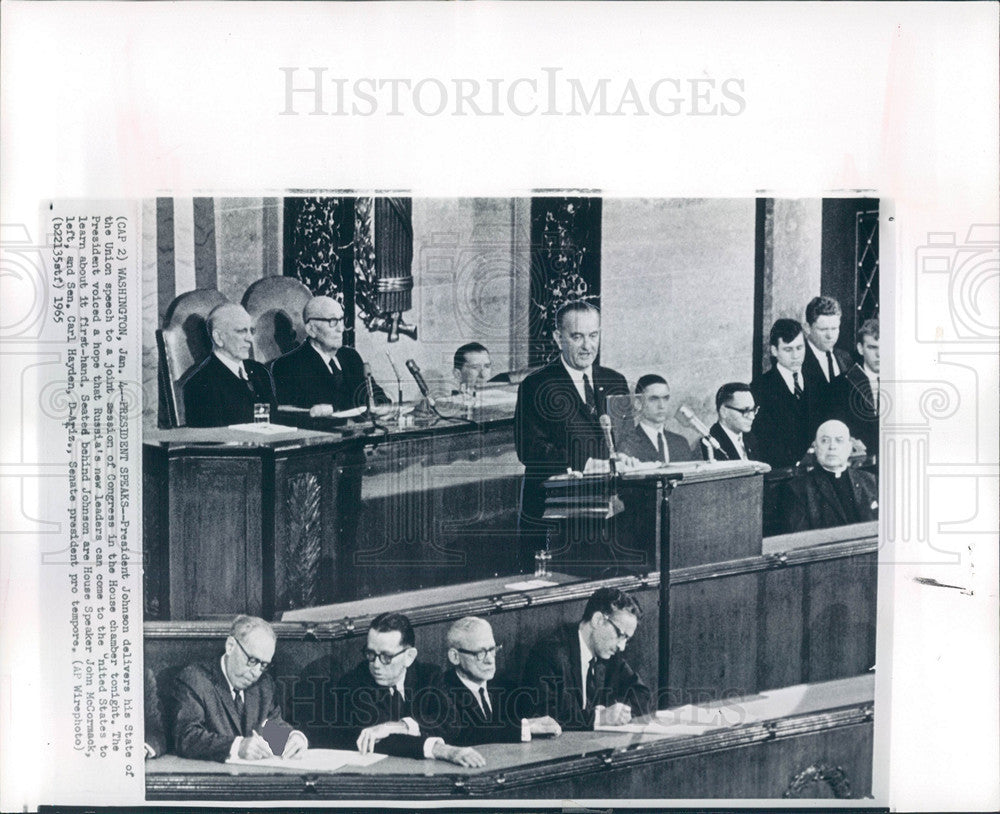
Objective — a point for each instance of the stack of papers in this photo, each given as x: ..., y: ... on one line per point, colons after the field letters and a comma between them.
x: 313, y: 760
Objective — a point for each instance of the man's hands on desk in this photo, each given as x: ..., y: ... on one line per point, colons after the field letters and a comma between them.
x: 617, y: 714
x: 256, y: 748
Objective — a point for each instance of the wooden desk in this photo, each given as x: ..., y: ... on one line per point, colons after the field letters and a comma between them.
x: 767, y: 744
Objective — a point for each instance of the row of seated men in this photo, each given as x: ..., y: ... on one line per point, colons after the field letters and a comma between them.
x: 392, y: 703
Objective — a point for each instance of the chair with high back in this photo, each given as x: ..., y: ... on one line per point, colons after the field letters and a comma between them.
x: 183, y: 343
x: 275, y: 305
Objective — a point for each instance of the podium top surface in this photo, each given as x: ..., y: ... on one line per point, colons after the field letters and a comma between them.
x: 687, y: 471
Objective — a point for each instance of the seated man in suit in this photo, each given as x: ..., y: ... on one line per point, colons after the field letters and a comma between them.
x: 556, y: 420
x: 222, y: 706
x: 154, y: 735
x: 832, y: 494
x: 391, y: 703
x: 860, y: 399
x: 579, y: 676
x: 736, y: 410
x: 486, y: 711
x: 321, y: 370
x: 473, y: 368
x: 786, y: 420
x: 649, y: 440
x: 224, y: 388
x: 824, y: 363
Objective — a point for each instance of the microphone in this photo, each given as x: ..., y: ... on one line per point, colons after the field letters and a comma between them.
x: 605, y: 422
x: 369, y: 391
x: 415, y: 372
x: 693, y: 421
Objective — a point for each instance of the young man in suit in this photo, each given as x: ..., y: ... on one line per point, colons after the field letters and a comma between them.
x: 485, y: 710
x: 785, y: 423
x: 736, y: 410
x: 391, y: 703
x: 472, y: 367
x: 221, y: 706
x: 578, y: 674
x: 224, y: 388
x: 321, y: 370
x: 824, y: 363
x: 556, y: 420
x: 649, y: 440
x: 832, y: 494
x: 860, y: 400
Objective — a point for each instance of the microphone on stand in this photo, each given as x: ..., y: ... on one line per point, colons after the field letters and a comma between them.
x: 698, y: 425
x: 399, y: 387
x: 605, y: 422
x: 369, y: 390
x: 419, y: 379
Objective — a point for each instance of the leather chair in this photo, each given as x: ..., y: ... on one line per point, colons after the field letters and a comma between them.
x: 275, y: 305
x: 183, y: 344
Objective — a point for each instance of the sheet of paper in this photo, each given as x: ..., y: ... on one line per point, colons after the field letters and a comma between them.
x: 529, y: 585
x: 314, y: 760
x: 263, y: 429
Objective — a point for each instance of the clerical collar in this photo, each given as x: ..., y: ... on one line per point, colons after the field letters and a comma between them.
x: 326, y: 357
x: 833, y: 474
x: 235, y: 367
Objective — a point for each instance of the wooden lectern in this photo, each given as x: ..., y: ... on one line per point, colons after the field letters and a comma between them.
x: 657, y: 518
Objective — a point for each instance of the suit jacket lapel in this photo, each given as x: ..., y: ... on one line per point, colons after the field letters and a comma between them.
x: 226, y: 697
x: 568, y: 385
x: 575, y: 678
x: 725, y: 442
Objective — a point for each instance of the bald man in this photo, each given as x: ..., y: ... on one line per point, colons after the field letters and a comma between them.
x: 224, y: 388
x: 832, y: 494
x: 321, y: 370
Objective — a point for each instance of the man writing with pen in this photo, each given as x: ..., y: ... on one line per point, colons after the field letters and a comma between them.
x: 227, y: 708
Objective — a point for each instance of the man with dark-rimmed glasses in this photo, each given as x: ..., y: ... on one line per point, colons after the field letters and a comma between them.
x: 485, y: 710
x: 736, y: 409
x: 322, y: 370
x: 579, y: 674
x: 392, y: 703
x: 228, y: 708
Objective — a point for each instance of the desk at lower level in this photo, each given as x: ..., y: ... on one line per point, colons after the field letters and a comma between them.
x: 806, y: 740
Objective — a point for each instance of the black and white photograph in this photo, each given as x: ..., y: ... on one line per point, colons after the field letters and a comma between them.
x: 621, y: 511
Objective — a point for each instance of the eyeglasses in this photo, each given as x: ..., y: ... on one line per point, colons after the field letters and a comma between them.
x: 252, y: 661
x: 621, y: 633
x: 481, y: 655
x: 333, y: 322
x: 385, y: 658
x: 746, y: 412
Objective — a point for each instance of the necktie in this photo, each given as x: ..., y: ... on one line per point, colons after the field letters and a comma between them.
x: 798, y: 385
x: 240, y: 706
x: 591, y: 684
x: 878, y: 393
x: 740, y: 448
x: 395, y: 705
x: 829, y: 366
x: 588, y: 393
x: 244, y: 378
x: 484, y: 699
x: 661, y: 448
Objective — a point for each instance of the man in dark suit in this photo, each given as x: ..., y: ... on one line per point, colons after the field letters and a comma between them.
x: 824, y: 363
x: 485, y: 710
x: 224, y: 388
x: 786, y: 422
x: 321, y: 370
x: 391, y: 703
x: 736, y: 410
x: 860, y: 397
x: 579, y: 676
x: 649, y: 440
x: 832, y: 494
x: 556, y: 424
x: 222, y: 706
